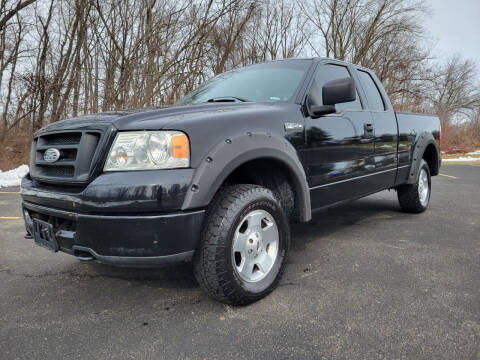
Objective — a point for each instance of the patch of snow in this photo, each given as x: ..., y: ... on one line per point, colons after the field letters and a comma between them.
x: 467, y: 158
x: 476, y: 152
x: 13, y: 177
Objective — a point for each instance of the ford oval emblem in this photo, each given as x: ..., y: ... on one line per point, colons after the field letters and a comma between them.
x: 51, y: 155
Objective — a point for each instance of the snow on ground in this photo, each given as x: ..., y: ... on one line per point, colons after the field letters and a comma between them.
x: 476, y: 152
x: 465, y: 158
x: 13, y: 177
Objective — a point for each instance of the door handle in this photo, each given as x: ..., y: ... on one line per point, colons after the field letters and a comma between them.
x: 368, y: 130
x: 368, y: 127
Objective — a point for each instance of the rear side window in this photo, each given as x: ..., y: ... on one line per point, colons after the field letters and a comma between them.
x: 374, y: 98
x: 331, y: 72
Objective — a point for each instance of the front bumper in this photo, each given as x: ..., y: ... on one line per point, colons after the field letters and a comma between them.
x: 122, y: 240
x: 130, y: 192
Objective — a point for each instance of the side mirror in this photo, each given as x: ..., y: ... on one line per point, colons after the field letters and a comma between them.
x: 320, y: 110
x: 338, y: 91
x: 334, y: 92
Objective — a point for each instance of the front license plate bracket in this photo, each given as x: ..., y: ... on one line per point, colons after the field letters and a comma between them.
x: 44, y: 235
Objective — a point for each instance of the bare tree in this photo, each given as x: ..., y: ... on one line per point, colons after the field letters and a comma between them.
x: 12, y: 61
x: 8, y: 13
x: 66, y: 58
x: 455, y: 89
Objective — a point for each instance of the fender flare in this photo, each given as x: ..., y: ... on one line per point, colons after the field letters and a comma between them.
x: 423, y: 140
x: 228, y: 155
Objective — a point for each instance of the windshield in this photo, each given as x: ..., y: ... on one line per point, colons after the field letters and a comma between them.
x: 274, y: 81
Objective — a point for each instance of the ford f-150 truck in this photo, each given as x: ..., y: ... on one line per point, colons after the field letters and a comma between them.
x: 217, y: 178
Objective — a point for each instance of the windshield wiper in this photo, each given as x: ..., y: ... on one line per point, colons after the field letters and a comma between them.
x: 227, y: 99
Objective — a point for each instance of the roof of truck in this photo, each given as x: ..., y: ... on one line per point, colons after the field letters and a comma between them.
x: 312, y: 59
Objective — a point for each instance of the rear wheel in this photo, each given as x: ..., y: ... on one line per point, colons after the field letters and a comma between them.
x: 244, y: 245
x: 414, y: 198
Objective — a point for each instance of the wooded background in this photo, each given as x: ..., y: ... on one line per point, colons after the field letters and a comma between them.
x: 60, y: 59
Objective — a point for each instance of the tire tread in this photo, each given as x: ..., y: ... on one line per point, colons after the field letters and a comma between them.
x: 408, y: 197
x: 209, y: 259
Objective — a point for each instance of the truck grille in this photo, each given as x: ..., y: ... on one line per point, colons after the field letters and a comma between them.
x: 77, y: 150
x: 62, y: 139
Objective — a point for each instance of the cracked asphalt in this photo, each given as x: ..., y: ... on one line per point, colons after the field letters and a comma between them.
x: 363, y: 281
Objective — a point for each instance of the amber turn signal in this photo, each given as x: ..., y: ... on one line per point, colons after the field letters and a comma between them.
x: 180, y: 148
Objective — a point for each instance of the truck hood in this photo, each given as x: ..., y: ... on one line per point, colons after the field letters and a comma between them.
x: 152, y: 119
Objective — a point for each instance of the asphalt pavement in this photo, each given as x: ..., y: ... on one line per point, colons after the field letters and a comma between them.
x: 363, y: 281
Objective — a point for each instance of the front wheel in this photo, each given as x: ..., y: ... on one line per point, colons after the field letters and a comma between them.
x: 244, y: 245
x: 414, y: 198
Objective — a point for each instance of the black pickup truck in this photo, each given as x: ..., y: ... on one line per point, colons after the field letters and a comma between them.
x: 217, y: 178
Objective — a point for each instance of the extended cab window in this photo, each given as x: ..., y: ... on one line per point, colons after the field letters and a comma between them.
x: 374, y: 98
x: 331, y: 72
x: 275, y: 81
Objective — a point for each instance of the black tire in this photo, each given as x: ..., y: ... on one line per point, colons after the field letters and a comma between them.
x: 213, y: 261
x: 408, y: 195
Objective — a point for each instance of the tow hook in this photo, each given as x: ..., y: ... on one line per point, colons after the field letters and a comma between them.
x: 84, y: 256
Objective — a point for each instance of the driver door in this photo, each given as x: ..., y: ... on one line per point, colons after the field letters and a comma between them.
x: 339, y: 146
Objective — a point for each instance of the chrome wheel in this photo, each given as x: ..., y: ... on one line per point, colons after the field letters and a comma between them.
x: 255, y: 246
x: 423, y: 187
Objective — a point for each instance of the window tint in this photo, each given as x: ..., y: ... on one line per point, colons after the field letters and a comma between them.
x: 328, y: 73
x: 374, y: 97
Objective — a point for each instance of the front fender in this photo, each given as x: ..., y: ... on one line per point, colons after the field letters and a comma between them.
x: 226, y: 156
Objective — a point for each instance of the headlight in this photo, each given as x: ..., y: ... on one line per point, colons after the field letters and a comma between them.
x: 146, y: 150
